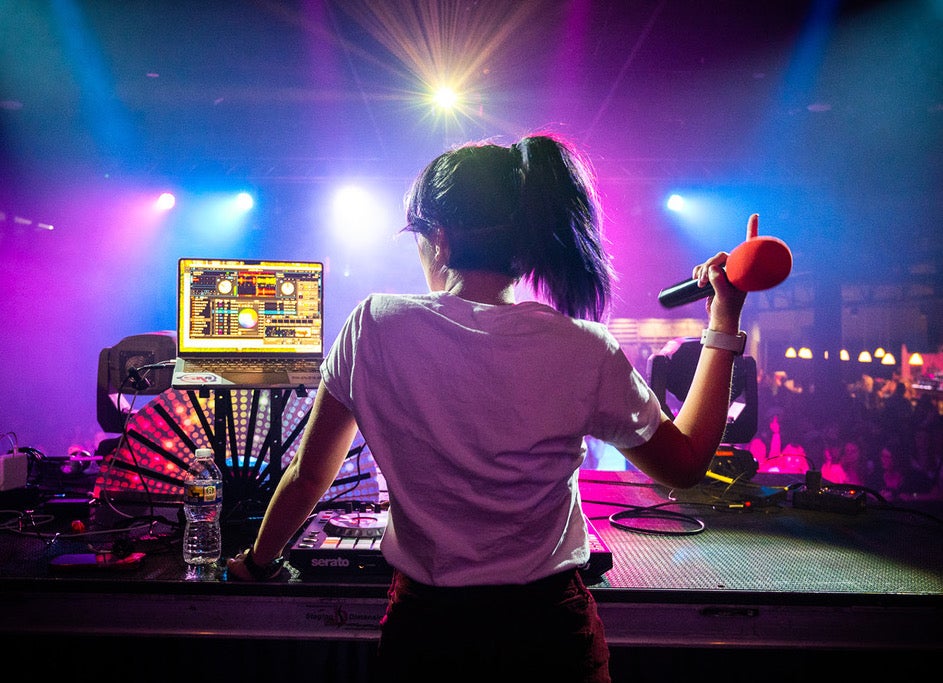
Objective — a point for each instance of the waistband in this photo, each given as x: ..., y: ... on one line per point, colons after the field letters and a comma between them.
x: 545, y: 587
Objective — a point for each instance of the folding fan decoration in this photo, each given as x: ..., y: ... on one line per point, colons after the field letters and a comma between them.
x: 260, y: 431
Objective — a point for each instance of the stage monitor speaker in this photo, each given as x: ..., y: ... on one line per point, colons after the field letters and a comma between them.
x: 114, y: 391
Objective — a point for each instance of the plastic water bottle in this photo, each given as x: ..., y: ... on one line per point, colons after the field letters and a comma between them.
x: 202, y: 508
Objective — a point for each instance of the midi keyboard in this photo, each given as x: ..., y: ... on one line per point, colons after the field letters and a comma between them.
x: 338, y: 545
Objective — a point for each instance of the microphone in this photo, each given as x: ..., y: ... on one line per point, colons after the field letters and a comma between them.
x: 758, y: 263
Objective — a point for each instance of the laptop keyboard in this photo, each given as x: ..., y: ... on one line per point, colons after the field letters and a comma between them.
x: 218, y: 366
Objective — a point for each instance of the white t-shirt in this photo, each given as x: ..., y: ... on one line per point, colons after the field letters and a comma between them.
x: 475, y: 415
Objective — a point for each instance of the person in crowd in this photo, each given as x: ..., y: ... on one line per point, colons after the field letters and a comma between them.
x: 863, y: 393
x: 895, y: 417
x: 475, y: 407
x: 762, y: 446
x: 897, y: 480
x: 927, y: 429
x: 831, y: 467
x: 778, y: 457
x: 854, y: 464
x: 813, y: 446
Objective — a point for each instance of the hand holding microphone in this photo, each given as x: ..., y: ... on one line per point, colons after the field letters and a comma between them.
x: 758, y: 263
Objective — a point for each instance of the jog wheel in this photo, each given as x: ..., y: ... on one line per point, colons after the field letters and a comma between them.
x: 357, y: 525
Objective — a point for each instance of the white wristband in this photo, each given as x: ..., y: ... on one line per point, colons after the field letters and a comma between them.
x: 728, y: 342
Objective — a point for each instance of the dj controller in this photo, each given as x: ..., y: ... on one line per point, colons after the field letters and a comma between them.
x: 345, y: 545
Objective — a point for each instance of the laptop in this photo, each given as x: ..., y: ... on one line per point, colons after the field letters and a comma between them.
x: 249, y: 324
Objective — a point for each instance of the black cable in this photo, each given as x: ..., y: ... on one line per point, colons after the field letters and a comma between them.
x: 885, y: 505
x: 655, y: 512
x: 353, y: 452
x: 615, y: 519
x: 123, y: 439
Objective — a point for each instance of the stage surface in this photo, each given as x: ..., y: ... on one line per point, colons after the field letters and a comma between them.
x: 718, y: 566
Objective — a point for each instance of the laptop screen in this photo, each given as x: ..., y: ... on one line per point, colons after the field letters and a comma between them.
x: 232, y: 306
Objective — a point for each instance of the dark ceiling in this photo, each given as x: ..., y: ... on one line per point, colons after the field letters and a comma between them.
x: 825, y: 117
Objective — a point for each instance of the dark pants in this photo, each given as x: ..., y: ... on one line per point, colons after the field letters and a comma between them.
x: 547, y: 632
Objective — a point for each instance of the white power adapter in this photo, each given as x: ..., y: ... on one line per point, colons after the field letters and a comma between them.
x: 14, y: 470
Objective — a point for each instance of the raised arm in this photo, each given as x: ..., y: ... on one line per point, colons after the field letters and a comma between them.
x: 327, y: 438
x: 679, y: 452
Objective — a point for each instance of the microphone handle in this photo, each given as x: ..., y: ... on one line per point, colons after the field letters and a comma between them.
x: 683, y: 293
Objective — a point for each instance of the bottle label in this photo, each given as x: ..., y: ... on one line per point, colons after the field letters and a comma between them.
x: 197, y: 494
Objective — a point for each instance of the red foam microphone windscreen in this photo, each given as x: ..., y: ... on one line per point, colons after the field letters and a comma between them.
x: 759, y: 263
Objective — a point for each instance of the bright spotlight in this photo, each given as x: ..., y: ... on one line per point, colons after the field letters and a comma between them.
x: 357, y: 218
x: 675, y: 203
x: 244, y: 201
x: 445, y: 98
x: 165, y: 202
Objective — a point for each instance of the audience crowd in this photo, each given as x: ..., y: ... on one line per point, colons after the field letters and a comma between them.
x: 876, y: 433
x: 882, y: 434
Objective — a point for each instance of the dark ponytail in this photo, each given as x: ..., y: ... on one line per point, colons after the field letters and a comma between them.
x: 560, y: 219
x: 529, y: 211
